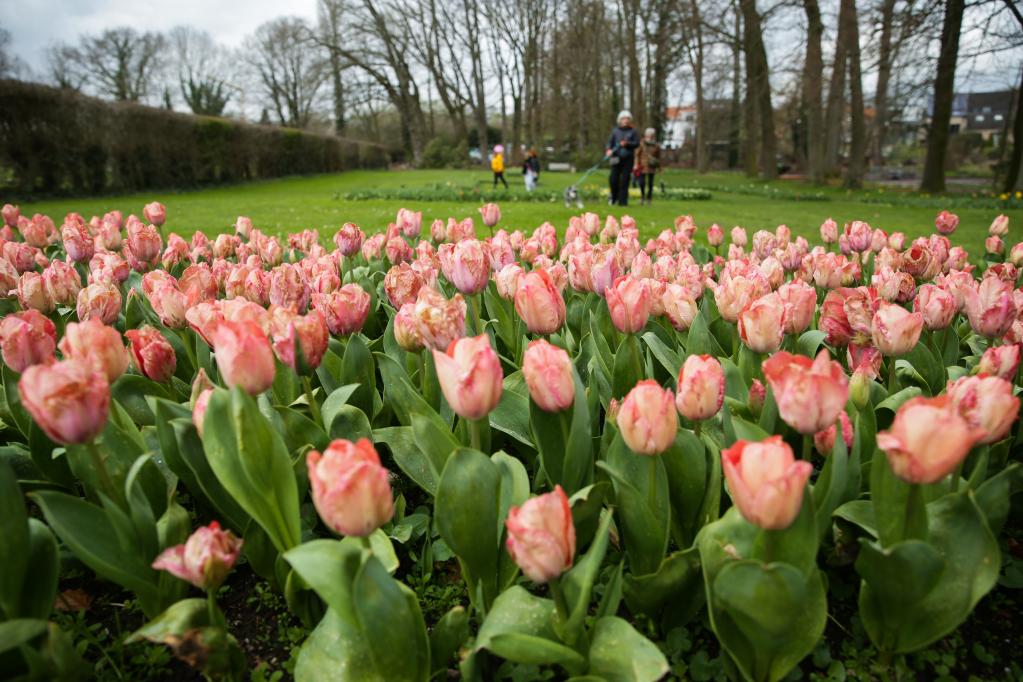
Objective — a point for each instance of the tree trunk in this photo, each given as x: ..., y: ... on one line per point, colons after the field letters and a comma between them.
x: 735, y: 122
x: 759, y: 81
x: 944, y: 90
x: 339, y: 93
x: 702, y: 160
x: 858, y: 127
x: 884, y: 74
x: 813, y: 68
x: 1012, y: 175
x: 834, y: 114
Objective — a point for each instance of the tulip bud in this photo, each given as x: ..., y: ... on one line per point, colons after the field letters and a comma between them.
x: 927, y: 440
x: 244, y: 356
x: 27, y: 338
x: 470, y: 376
x: 205, y: 559
x: 151, y: 353
x: 547, y: 370
x: 98, y: 345
x: 491, y: 214
x: 647, y: 418
x: 701, y: 388
x: 756, y: 396
x: 765, y: 481
x: 155, y: 212
x: 539, y: 303
x: 350, y: 488
x: 994, y: 245
x: 541, y: 536
x: 859, y: 388
x: 69, y: 400
x: 824, y: 440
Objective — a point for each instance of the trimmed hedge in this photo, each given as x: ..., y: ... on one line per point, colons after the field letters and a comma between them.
x: 58, y: 142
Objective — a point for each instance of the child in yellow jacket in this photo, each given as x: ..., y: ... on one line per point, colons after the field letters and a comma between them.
x: 497, y: 165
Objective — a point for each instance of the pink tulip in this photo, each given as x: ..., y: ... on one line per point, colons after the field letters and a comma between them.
x: 350, y: 488
x: 402, y: 284
x: 101, y: 300
x: 824, y: 440
x: 293, y: 334
x: 406, y: 329
x: 27, y: 338
x: 937, y: 306
x: 10, y: 214
x: 242, y: 226
x: 547, y: 370
x: 946, y: 223
x: 860, y: 235
x: 604, y: 268
x: 809, y: 393
x: 507, y: 280
x: 288, y: 288
x: 986, y: 403
x: 734, y: 293
x: 894, y: 330
x: 151, y: 353
x: 62, y: 283
x: 715, y: 235
x: 766, y: 481
x: 143, y: 246
x: 491, y: 214
x: 32, y: 293
x: 440, y: 321
x: 155, y: 212
x: 762, y: 324
x: 990, y: 307
x: 628, y: 302
x: 829, y: 231
x: 679, y: 306
x: 37, y: 231
x: 349, y: 239
x: 756, y: 396
x: 69, y: 400
x: 470, y: 376
x: 539, y: 303
x: 205, y: 559
x: 96, y: 344
x: 170, y: 304
x: 994, y: 245
x: 78, y: 243
x: 701, y: 388
x: 999, y: 226
x: 800, y: 302
x: 244, y: 356
x: 345, y: 310
x: 927, y: 440
x: 541, y: 536
x: 647, y: 418
x: 466, y: 265
x: 409, y: 222
x: 1000, y: 361
x: 739, y: 237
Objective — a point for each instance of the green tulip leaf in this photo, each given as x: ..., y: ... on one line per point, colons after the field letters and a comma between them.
x: 618, y: 653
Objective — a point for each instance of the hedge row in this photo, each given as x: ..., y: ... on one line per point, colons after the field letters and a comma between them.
x: 58, y: 142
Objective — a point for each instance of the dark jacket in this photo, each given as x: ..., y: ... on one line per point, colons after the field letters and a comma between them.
x: 623, y: 141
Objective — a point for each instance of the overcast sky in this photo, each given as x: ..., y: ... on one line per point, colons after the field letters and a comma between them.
x: 35, y: 24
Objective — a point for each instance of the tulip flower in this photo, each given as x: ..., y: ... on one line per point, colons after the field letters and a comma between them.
x: 202, y: 401
x: 647, y: 418
x: 402, y: 284
x: 766, y: 481
x: 491, y: 214
x: 762, y: 324
x: 100, y: 300
x: 894, y: 330
x: 69, y: 400
x: 470, y: 376
x: 345, y: 310
x: 62, y: 283
x: 701, y: 388
x: 406, y: 330
x: 27, y: 338
x: 205, y: 559
x: 350, y: 488
x: 244, y: 356
x: 32, y: 294
x: 410, y: 223
x: 859, y: 235
x: 440, y: 321
x: 628, y: 302
x: 994, y: 245
x: 151, y: 353
x: 349, y: 239
x: 936, y: 305
x: 927, y: 440
x: 288, y: 288
x: 800, y: 302
x: 824, y: 440
x: 547, y: 370
x: 809, y: 393
x: 507, y: 280
x: 294, y: 334
x: 170, y: 304
x: 990, y: 307
x: 10, y: 214
x: 155, y: 212
x: 829, y: 231
x: 1000, y: 361
x: 679, y: 306
x: 541, y: 536
x: 715, y: 235
x: 986, y: 403
x: 539, y: 303
x: 466, y: 265
x: 98, y: 345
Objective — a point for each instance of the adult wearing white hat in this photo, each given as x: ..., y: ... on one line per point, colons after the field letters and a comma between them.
x: 621, y: 153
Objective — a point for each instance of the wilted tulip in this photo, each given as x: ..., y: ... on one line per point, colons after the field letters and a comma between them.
x: 69, y: 400
x: 766, y: 481
x: 927, y: 440
x: 547, y: 370
x: 986, y: 403
x: 628, y: 302
x: 937, y: 306
x: 470, y: 376
x: 539, y: 303
x: 647, y: 418
x: 155, y: 212
x: 990, y: 307
x: 345, y: 310
x: 946, y: 223
x: 541, y: 536
x: 99, y: 300
x: 762, y: 324
x: 244, y: 356
x: 1000, y: 361
x: 701, y: 388
x: 440, y: 321
x: 151, y: 353
x: 894, y: 330
x: 350, y: 487
x: 809, y: 393
x: 27, y: 338
x: 205, y: 559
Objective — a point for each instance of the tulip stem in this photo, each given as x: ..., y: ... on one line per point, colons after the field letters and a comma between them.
x: 476, y: 313
x: 475, y: 442
x: 807, y: 447
x: 562, y: 607
x: 957, y: 474
x: 697, y: 428
x: 652, y: 482
x: 892, y: 377
x: 366, y: 544
x: 314, y: 408
x: 105, y: 482
x: 215, y: 615
x: 341, y: 267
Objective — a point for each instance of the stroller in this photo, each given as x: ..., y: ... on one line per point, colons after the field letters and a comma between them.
x: 572, y: 191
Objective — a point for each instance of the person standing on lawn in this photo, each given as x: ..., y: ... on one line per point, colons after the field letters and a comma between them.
x: 497, y: 165
x: 621, y: 153
x: 648, y: 162
x: 531, y: 170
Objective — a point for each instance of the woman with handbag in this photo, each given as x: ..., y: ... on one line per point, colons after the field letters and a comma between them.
x: 648, y: 162
x: 620, y: 152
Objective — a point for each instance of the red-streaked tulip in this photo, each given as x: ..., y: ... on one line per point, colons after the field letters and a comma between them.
x: 409, y: 222
x: 244, y: 356
x: 349, y: 239
x: 151, y: 353
x: 829, y: 231
x: 766, y: 481
x: 539, y: 303
x: 715, y: 235
x: 99, y: 300
x: 205, y: 559
x: 293, y: 333
x: 700, y: 390
x: 10, y: 214
x: 402, y: 284
x: 990, y: 307
x: 98, y: 345
x: 143, y: 246
x: 762, y: 324
x: 946, y: 223
x: 470, y: 376
x: 824, y: 440
x: 860, y: 235
x: 547, y: 370
x: 155, y: 212
x: 289, y: 289
x: 350, y: 488
x: 986, y: 403
x: 1000, y: 361
x: 27, y: 338
x: 32, y: 293
x: 809, y: 393
x: 440, y: 321
x: 466, y: 265
x: 937, y: 306
x: 345, y: 310
x: 69, y: 400
x: 800, y: 302
x: 62, y: 283
x: 541, y: 536
x: 628, y: 302
x: 647, y: 418
x: 78, y: 243
x: 927, y: 440
x: 894, y: 330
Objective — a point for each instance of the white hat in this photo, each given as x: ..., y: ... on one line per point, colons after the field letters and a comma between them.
x: 624, y: 113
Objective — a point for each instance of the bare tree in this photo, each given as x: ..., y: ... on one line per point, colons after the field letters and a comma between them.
x: 759, y: 88
x: 331, y: 31
x: 200, y: 69
x: 11, y: 65
x: 813, y: 68
x: 944, y: 86
x: 119, y: 63
x: 857, y: 127
x: 62, y: 65
x: 290, y: 69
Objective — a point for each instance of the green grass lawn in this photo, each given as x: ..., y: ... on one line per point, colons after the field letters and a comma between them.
x: 316, y: 202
